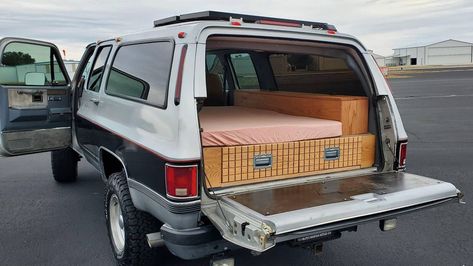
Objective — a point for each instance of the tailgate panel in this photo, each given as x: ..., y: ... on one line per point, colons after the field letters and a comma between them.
x: 285, y: 199
x: 278, y: 211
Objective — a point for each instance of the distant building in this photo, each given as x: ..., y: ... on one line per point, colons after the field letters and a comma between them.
x: 380, y: 60
x: 449, y: 52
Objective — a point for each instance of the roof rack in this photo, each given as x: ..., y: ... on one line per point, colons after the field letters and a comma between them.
x: 216, y: 15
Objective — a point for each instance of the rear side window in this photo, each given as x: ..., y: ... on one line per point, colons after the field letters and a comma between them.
x: 244, y: 71
x: 96, y: 75
x: 28, y: 64
x: 141, y: 72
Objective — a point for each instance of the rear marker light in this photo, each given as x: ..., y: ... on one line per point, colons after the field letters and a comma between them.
x: 402, y: 155
x: 181, y: 35
x: 331, y: 32
x: 181, y: 181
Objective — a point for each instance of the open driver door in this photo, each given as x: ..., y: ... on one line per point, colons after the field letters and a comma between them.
x: 35, y: 98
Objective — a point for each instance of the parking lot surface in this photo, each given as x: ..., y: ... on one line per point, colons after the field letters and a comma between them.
x: 45, y: 223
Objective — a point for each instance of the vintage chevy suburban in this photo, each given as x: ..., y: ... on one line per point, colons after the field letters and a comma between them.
x: 214, y: 131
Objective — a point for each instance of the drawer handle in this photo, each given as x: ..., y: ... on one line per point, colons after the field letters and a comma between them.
x: 332, y: 153
x: 262, y: 161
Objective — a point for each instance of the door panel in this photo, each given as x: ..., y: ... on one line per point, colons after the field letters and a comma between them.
x: 35, y: 100
x: 256, y: 220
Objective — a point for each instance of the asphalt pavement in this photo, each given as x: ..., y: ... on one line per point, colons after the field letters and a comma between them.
x: 45, y: 223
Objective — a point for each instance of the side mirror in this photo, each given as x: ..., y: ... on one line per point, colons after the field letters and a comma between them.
x: 35, y: 79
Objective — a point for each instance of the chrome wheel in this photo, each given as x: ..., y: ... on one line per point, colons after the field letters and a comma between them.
x: 117, y: 227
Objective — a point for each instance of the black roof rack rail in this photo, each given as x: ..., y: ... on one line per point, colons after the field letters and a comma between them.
x: 217, y: 15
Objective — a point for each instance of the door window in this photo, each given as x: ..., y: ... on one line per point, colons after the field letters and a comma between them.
x: 96, y: 74
x: 141, y: 72
x: 244, y: 71
x: 27, y: 64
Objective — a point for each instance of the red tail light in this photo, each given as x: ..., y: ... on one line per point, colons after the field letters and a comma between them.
x: 402, y: 155
x: 181, y: 181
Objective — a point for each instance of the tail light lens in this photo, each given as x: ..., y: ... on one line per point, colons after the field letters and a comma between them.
x: 402, y: 155
x: 181, y: 181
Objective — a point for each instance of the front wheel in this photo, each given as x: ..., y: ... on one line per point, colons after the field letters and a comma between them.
x: 127, y: 226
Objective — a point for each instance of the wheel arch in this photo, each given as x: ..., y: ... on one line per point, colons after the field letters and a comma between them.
x: 110, y: 163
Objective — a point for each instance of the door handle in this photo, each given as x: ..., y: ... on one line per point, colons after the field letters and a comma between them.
x: 95, y: 100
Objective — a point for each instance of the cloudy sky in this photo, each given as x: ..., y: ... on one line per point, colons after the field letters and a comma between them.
x: 380, y: 24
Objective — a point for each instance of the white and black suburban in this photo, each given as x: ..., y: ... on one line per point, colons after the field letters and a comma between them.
x: 214, y: 131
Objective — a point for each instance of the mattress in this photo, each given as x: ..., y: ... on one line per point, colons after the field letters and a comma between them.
x: 236, y: 125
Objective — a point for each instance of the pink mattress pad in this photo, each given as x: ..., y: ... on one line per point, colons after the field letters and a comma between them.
x: 236, y: 125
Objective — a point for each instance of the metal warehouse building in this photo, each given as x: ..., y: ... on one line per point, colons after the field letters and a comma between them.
x: 449, y: 52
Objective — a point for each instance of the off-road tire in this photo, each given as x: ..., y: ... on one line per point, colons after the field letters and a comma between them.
x: 64, y: 165
x: 136, y: 225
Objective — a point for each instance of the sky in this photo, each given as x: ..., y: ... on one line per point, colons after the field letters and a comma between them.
x: 380, y: 24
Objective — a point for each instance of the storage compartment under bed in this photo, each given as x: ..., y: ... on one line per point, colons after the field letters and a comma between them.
x: 236, y: 165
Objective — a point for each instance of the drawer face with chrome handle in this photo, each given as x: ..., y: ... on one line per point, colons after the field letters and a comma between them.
x: 262, y: 161
x: 332, y: 153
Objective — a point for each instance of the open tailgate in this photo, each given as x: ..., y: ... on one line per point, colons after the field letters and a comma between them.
x: 257, y: 220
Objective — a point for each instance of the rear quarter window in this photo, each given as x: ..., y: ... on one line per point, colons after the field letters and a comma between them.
x: 141, y: 72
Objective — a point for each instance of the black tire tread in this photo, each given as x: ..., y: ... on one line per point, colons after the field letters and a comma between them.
x: 137, y: 224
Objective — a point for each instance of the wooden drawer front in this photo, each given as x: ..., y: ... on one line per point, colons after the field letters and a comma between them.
x: 226, y: 166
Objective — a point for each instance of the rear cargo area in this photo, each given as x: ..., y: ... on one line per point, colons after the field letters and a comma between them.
x: 292, y: 109
x: 291, y: 144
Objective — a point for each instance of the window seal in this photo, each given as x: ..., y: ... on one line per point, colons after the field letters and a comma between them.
x: 98, y: 49
x: 139, y: 100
